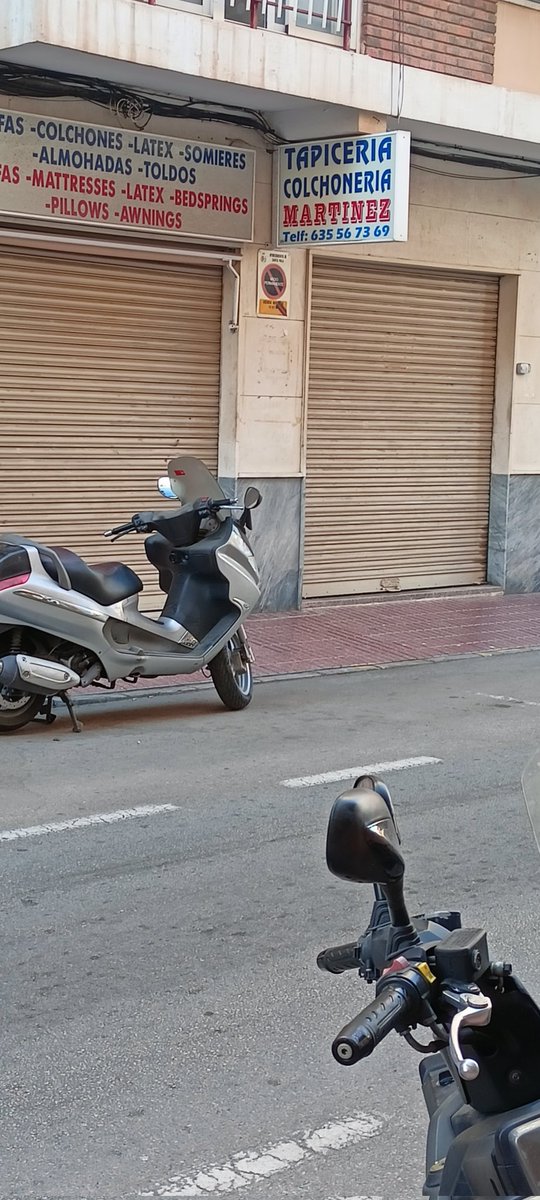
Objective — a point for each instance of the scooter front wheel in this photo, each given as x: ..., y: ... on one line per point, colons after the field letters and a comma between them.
x: 232, y: 675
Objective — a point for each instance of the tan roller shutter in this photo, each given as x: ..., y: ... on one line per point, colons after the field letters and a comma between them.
x: 108, y: 367
x: 400, y: 411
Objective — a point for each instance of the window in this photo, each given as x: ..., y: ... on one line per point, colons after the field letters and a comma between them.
x: 240, y: 11
x: 323, y: 18
x: 323, y: 15
x: 203, y: 6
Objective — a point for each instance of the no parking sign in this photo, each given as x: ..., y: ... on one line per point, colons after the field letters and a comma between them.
x: 273, y: 283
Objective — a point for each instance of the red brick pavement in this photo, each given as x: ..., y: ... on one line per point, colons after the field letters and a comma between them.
x: 360, y: 635
x: 384, y: 632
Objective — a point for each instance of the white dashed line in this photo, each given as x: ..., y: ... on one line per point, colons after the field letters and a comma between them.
x: 400, y: 764
x: 124, y: 814
x: 510, y: 700
x: 249, y: 1167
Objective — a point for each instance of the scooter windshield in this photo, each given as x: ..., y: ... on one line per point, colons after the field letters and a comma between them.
x: 191, y: 480
x: 530, y: 782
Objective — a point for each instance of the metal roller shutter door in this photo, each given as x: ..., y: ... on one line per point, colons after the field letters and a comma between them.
x: 108, y: 367
x: 399, y: 428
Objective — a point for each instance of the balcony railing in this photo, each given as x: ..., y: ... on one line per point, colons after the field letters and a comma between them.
x: 328, y: 20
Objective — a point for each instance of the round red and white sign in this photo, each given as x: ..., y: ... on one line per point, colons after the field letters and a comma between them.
x: 273, y: 281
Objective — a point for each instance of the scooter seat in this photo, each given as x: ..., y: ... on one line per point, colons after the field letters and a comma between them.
x: 106, y: 582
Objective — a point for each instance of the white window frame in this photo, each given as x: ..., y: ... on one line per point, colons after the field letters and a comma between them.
x: 322, y: 35
x: 204, y: 9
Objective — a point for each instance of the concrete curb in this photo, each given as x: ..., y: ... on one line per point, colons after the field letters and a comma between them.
x: 179, y: 689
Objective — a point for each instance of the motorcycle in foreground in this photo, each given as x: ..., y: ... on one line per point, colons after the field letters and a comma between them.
x: 481, y: 1072
x: 65, y: 624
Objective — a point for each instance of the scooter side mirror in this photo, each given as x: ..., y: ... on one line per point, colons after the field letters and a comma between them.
x: 165, y: 488
x: 252, y: 498
x: 362, y: 846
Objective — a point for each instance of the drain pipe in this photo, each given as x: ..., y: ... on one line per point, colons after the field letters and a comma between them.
x: 233, y: 324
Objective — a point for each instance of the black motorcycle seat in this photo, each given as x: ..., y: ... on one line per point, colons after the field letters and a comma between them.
x: 107, y: 582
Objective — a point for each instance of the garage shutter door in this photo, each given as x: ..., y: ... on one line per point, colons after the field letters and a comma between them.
x: 400, y: 412
x: 108, y: 367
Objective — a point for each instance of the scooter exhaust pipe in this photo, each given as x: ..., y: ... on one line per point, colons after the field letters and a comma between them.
x: 38, y: 676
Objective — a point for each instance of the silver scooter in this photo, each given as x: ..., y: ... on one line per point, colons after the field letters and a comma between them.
x: 66, y: 624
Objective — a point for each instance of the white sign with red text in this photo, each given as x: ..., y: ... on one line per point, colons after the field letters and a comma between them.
x: 343, y: 190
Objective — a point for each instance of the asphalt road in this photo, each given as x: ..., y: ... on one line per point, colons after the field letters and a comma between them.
x: 160, y: 1009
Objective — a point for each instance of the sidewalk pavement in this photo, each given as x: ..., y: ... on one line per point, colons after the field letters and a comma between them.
x: 377, y: 633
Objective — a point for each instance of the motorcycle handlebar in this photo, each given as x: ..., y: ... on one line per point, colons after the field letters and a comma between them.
x: 138, y: 524
x: 142, y: 522
x: 119, y: 530
x: 339, y: 958
x: 397, y: 1000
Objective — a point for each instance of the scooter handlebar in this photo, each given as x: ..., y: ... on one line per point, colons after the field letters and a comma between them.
x: 119, y: 531
x: 143, y: 522
x: 140, y: 523
x: 397, y: 1006
x: 339, y: 958
x: 359, y: 1038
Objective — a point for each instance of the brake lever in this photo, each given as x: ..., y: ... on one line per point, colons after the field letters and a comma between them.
x: 473, y: 1011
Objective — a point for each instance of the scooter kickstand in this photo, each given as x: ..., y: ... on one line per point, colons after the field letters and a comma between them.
x: 77, y: 727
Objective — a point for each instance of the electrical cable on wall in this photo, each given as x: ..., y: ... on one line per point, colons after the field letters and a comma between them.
x: 398, y: 61
x: 463, y: 156
x: 134, y: 107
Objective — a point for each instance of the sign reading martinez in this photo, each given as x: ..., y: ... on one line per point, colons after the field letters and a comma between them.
x: 353, y: 189
x: 69, y: 171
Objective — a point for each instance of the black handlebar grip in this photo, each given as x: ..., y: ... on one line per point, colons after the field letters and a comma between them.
x: 359, y: 1038
x: 338, y: 959
x: 119, y: 530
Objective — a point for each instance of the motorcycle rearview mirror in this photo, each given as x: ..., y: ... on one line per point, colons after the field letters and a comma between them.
x: 165, y: 488
x: 252, y: 497
x: 362, y: 846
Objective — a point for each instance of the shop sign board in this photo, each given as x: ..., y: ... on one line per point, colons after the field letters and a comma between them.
x: 343, y: 190
x: 65, y: 170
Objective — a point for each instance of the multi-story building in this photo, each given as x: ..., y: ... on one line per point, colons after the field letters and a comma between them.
x: 378, y: 383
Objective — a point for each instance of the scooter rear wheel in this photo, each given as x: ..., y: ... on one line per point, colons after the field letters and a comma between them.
x: 232, y: 675
x: 17, y: 709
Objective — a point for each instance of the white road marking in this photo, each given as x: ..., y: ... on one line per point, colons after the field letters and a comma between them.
x: 245, y: 1168
x: 124, y: 814
x: 510, y: 699
x: 401, y: 764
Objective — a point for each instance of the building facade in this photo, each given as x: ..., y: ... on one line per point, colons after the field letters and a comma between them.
x: 387, y: 402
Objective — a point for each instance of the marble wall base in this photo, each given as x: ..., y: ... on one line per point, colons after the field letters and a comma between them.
x: 276, y: 538
x: 276, y: 541
x: 514, y: 533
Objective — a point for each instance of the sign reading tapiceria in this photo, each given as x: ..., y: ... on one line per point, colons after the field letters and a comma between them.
x: 69, y: 171
x: 343, y: 189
